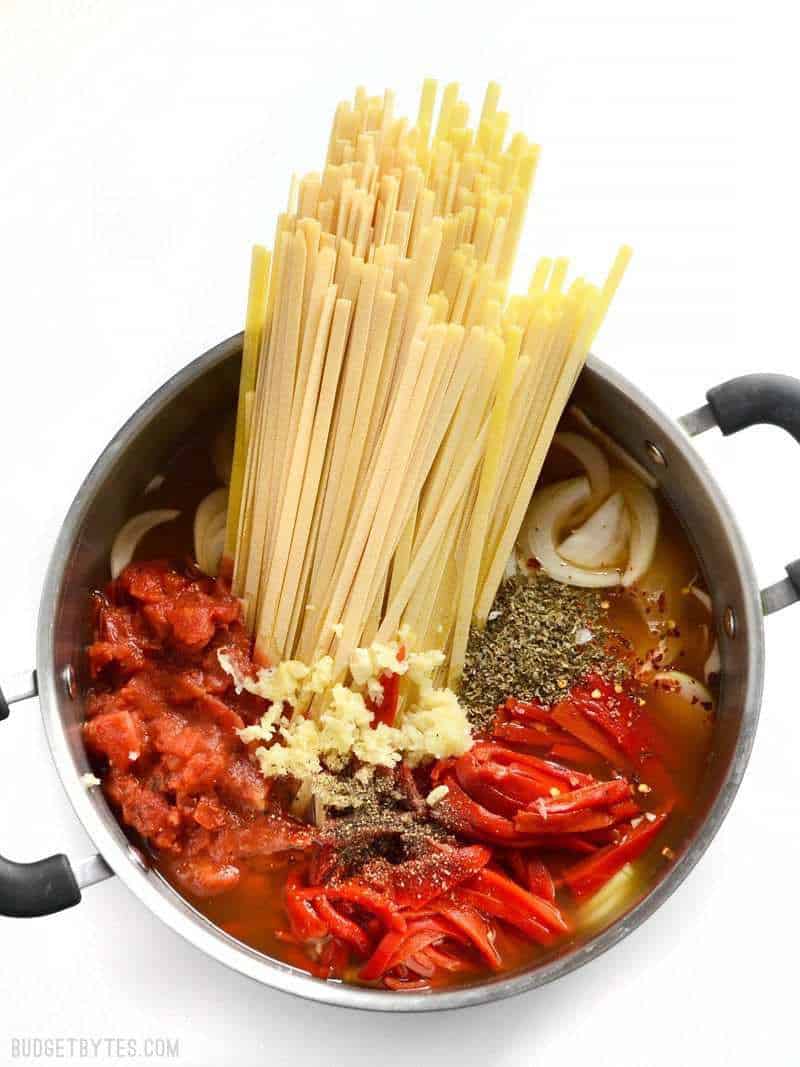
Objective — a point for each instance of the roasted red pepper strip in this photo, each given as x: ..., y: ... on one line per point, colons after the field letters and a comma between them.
x: 471, y: 923
x: 570, y: 750
x: 535, y: 736
x: 518, y: 784
x: 397, y: 946
x: 365, y: 897
x: 506, y: 892
x: 619, y: 715
x: 529, y: 711
x: 540, y: 881
x: 445, y: 960
x: 417, y: 882
x: 575, y: 822
x: 627, y: 809
x: 303, y: 918
x: 474, y: 819
x: 571, y: 718
x: 597, y: 795
x: 385, y: 711
x: 488, y: 751
x: 492, y: 798
x: 488, y: 905
x: 406, y: 985
x: 593, y: 872
x: 342, y: 927
x: 378, y: 963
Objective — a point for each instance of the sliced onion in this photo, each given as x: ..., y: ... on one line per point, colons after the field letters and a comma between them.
x: 617, y: 451
x: 214, y: 545
x: 686, y: 687
x: 154, y: 484
x: 209, y: 530
x: 601, y: 540
x: 643, y: 513
x: 550, y: 510
x: 612, y: 898
x: 702, y: 596
x: 659, y: 657
x: 713, y: 664
x: 592, y: 460
x: 512, y: 568
x: 126, y: 541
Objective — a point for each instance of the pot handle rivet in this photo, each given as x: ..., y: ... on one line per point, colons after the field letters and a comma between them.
x: 655, y: 454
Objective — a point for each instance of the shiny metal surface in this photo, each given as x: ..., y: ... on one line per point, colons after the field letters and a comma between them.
x: 79, y: 564
x: 19, y: 686
x: 779, y: 596
x: 92, y: 870
x: 698, y: 421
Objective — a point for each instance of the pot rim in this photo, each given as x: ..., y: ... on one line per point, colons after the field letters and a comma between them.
x: 172, y: 909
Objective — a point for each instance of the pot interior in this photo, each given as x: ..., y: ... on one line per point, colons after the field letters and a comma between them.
x: 80, y: 564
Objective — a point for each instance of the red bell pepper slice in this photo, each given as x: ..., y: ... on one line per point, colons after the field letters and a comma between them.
x: 626, y: 809
x: 445, y: 960
x: 540, y: 881
x: 303, y: 918
x: 589, y: 874
x: 568, y: 715
x: 575, y: 822
x: 597, y: 795
x: 471, y: 923
x: 385, y: 710
x: 529, y: 711
x: 491, y: 752
x: 569, y: 750
x: 418, y: 881
x: 507, y: 893
x: 365, y: 897
x: 406, y: 985
x: 473, y: 819
x: 342, y: 927
x: 519, y: 785
x: 492, y: 798
x: 535, y: 736
x: 398, y: 945
x: 488, y: 905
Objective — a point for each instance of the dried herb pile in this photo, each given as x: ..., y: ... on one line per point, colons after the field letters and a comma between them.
x: 541, y: 637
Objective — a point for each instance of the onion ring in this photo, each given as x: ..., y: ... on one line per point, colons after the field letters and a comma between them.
x: 549, y: 512
x: 129, y: 536
x: 209, y: 530
x: 600, y: 541
x: 593, y: 461
x: 685, y: 686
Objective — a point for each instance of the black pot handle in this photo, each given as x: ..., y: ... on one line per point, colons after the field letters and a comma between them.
x: 753, y: 400
x: 42, y: 887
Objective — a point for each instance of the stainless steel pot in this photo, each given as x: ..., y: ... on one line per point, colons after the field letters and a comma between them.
x: 80, y: 561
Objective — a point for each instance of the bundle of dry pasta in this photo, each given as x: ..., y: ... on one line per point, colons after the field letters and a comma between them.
x: 395, y: 408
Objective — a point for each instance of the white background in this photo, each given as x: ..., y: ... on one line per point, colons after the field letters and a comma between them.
x: 143, y: 147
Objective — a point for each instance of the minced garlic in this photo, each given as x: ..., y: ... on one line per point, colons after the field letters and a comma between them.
x: 436, y: 794
x: 291, y: 682
x: 431, y: 725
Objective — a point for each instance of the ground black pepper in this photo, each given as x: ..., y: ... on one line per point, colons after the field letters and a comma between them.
x: 380, y: 825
